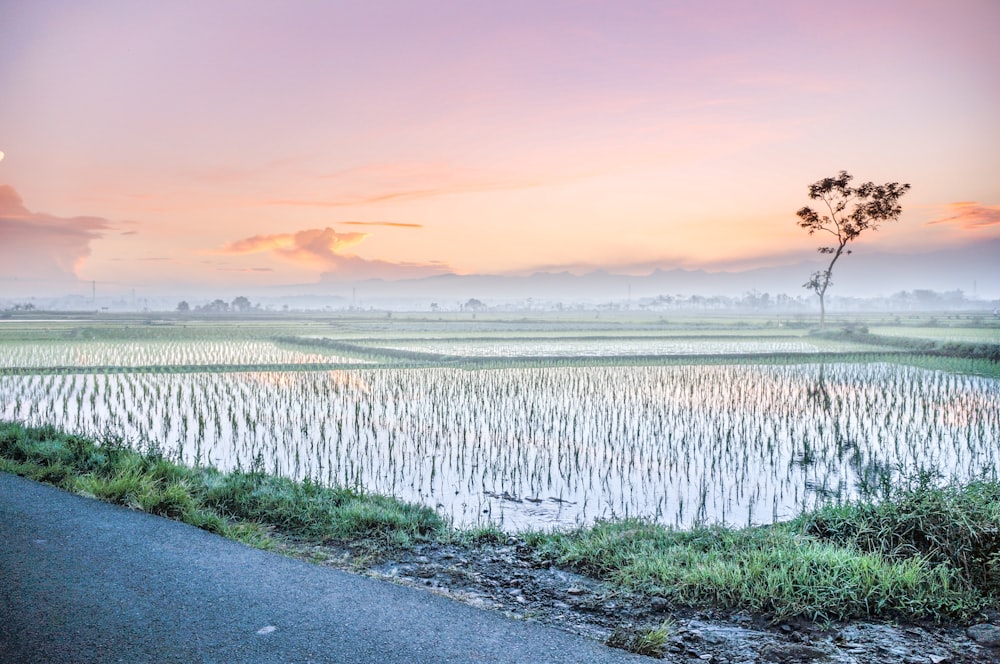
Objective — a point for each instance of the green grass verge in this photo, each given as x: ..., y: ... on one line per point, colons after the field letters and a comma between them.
x: 242, y: 505
x: 776, y: 571
x: 922, y: 552
x: 949, y: 527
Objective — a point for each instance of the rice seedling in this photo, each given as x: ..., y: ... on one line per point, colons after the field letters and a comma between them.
x: 229, y: 352
x: 737, y: 443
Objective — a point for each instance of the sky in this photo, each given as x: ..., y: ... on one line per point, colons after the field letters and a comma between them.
x: 246, y: 144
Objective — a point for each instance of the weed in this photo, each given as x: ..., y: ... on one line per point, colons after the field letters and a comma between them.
x: 650, y: 641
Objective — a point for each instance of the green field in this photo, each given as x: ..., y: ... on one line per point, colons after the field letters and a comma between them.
x: 989, y: 335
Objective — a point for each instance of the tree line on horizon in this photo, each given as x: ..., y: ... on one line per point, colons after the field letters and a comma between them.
x: 239, y: 304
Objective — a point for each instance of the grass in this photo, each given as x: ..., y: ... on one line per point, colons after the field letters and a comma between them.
x: 984, y: 334
x: 981, y: 357
x: 247, y: 506
x: 921, y: 552
x: 650, y: 641
x: 984, y: 348
x: 310, y: 511
x: 947, y: 527
x: 774, y: 571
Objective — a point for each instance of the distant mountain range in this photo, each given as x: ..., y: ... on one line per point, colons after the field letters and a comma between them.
x: 973, y: 269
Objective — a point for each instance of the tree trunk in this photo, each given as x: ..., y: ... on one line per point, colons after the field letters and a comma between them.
x: 822, y: 311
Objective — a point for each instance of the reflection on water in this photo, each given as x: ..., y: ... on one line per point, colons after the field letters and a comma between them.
x: 817, y: 393
x: 541, y: 447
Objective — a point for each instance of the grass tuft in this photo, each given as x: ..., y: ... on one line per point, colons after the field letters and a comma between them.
x: 650, y: 642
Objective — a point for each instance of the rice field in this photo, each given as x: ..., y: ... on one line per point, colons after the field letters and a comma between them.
x: 522, y: 447
x: 613, y: 347
x: 240, y: 352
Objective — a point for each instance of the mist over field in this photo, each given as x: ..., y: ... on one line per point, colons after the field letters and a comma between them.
x: 965, y: 278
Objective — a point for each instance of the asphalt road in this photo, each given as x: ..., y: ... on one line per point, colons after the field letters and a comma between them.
x: 84, y: 581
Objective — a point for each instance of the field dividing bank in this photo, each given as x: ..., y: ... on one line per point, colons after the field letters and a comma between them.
x: 989, y: 335
x: 373, y: 358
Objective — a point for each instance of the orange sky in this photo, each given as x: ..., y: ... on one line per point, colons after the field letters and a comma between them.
x: 247, y: 144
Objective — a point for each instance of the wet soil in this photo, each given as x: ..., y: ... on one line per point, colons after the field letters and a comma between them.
x: 511, y: 578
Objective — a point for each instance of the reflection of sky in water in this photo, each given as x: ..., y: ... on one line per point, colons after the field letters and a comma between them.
x: 541, y: 447
x: 610, y: 347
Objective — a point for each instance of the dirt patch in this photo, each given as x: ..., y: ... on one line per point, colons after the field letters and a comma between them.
x: 512, y: 579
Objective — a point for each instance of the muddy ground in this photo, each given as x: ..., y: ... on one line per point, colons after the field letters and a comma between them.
x: 511, y: 578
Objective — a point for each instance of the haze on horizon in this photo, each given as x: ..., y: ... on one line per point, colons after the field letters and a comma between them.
x: 252, y: 145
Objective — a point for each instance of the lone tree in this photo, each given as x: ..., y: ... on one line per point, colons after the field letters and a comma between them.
x: 845, y: 213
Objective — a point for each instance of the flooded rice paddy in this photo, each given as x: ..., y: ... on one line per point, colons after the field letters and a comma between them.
x: 535, y: 447
x: 608, y: 347
x: 46, y: 354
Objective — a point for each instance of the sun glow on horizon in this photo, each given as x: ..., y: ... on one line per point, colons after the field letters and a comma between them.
x: 551, y: 137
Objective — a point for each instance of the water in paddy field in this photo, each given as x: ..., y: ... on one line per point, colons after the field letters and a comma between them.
x: 164, y: 353
x: 553, y: 447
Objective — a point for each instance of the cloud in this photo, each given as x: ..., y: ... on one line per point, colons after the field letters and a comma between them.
x: 358, y: 200
x: 390, y: 224
x: 324, y: 249
x: 43, y: 247
x: 390, y: 182
x: 402, y: 195
x: 970, y: 215
x: 355, y: 268
x: 246, y: 269
x: 320, y: 247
